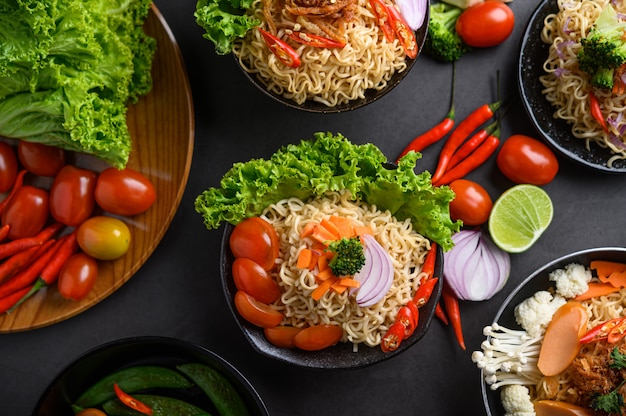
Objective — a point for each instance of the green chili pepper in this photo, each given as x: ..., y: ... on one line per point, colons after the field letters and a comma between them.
x: 160, y: 405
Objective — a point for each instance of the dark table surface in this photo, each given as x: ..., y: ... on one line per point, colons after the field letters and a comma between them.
x: 177, y: 293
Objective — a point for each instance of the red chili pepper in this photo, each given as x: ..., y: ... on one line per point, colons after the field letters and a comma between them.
x: 408, y: 320
x: 4, y: 231
x: 440, y: 313
x: 617, y: 333
x: 474, y: 160
x: 601, y: 331
x: 130, y: 401
x: 393, y: 337
x: 470, y: 123
x: 16, y: 262
x: 435, y: 133
x: 424, y: 291
x: 314, y: 40
x: 19, y: 181
x: 472, y: 144
x: 596, y: 112
x: 404, y: 33
x: 285, y: 53
x: 381, y: 11
x: 453, y: 311
x: 7, y: 302
x: 10, y: 248
x: 428, y: 268
x: 415, y: 313
x: 66, y: 246
x: 28, y: 275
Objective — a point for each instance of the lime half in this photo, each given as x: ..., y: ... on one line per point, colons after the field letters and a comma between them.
x: 519, y: 216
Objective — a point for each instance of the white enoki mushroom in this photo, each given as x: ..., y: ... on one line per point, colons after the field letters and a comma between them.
x: 508, y: 356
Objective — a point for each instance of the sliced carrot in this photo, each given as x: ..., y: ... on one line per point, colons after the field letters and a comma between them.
x: 323, y: 287
x: 323, y: 259
x: 617, y: 279
x: 560, y: 342
x: 322, y: 234
x: 304, y: 258
x: 349, y: 282
x: 363, y: 229
x: 344, y: 225
x: 338, y: 287
x: 557, y: 408
x: 325, y: 274
x: 331, y: 227
x: 604, y: 268
x: 307, y: 231
x: 596, y: 289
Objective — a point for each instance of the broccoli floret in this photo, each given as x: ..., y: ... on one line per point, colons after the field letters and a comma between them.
x: 604, y: 49
x: 442, y: 41
x: 349, y: 257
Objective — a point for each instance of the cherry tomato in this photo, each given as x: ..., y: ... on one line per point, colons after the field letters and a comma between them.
x: 40, y: 159
x: 318, y: 337
x: 282, y: 336
x: 472, y: 204
x: 8, y: 166
x: 257, y: 240
x: 77, y: 276
x: 253, y: 279
x: 91, y: 412
x: 72, y: 195
x: 485, y: 24
x: 255, y: 312
x: 27, y: 212
x: 523, y: 159
x: 103, y: 238
x: 124, y: 191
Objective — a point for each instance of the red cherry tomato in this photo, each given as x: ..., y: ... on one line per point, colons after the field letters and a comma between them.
x: 72, y: 195
x: 253, y: 279
x: 124, y: 192
x: 77, y: 276
x: 523, y: 159
x: 91, y: 412
x: 257, y: 240
x: 40, y: 159
x: 282, y: 336
x: 472, y: 204
x: 27, y: 212
x: 485, y: 24
x: 255, y: 312
x: 8, y: 166
x: 318, y: 337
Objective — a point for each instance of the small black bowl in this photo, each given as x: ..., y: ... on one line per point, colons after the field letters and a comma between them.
x: 90, y: 367
x: 370, y: 95
x: 339, y: 356
x: 556, y: 132
x: 539, y: 280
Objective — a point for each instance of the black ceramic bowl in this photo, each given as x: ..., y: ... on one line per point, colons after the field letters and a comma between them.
x: 535, y: 282
x: 556, y: 132
x: 90, y: 367
x: 339, y: 356
x: 370, y: 95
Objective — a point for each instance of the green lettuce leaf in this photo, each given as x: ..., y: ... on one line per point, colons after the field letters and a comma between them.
x: 332, y: 163
x: 68, y: 70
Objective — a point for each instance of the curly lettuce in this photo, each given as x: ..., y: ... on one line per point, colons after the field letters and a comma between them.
x: 68, y: 70
x: 224, y: 21
x: 332, y: 163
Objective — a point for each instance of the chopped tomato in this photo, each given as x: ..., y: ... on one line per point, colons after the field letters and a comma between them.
x: 256, y: 239
x: 285, y: 53
x: 318, y: 337
x: 250, y: 277
x: 255, y: 312
x: 282, y: 336
x: 315, y: 40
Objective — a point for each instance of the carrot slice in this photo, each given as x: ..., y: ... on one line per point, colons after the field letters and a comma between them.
x: 344, y: 225
x: 331, y: 227
x: 604, y: 268
x: 349, y: 282
x: 596, y: 289
x: 363, y: 229
x: 304, y: 258
x: 323, y: 287
x: 560, y: 342
x: 338, y: 287
x: 307, y: 231
x: 617, y: 279
x: 322, y: 234
x: 325, y: 274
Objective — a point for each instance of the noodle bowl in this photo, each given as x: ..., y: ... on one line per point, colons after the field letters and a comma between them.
x: 361, y: 325
x: 328, y: 78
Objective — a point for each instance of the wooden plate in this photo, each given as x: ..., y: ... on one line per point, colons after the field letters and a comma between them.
x: 162, y: 127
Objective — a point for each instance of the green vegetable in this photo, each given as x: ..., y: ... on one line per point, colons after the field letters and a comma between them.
x: 68, y: 70
x: 442, y: 41
x: 130, y: 380
x: 160, y: 405
x: 611, y: 402
x: 618, y: 359
x: 332, y: 163
x: 224, y: 21
x: 222, y: 393
x: 604, y: 49
x: 349, y: 257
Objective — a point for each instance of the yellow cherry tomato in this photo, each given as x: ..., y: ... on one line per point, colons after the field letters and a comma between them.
x: 103, y: 238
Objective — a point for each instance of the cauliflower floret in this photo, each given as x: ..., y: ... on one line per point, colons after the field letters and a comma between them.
x: 516, y: 401
x: 535, y: 313
x: 572, y: 280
